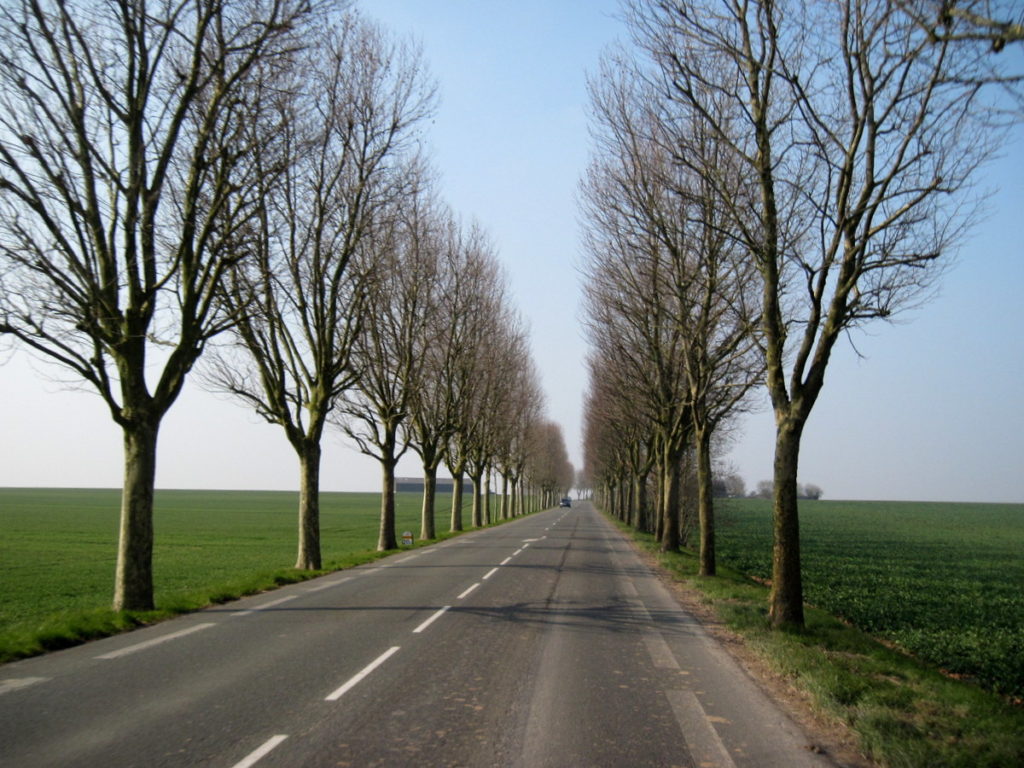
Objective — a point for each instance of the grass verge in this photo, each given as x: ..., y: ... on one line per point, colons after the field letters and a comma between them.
x: 211, y: 547
x: 903, y: 713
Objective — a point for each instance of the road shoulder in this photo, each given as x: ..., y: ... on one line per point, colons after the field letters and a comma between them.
x: 827, y: 734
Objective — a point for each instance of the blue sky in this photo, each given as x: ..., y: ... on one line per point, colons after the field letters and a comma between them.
x: 934, y: 411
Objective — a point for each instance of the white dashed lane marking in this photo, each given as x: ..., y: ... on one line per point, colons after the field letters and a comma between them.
x: 358, y: 677
x: 258, y: 754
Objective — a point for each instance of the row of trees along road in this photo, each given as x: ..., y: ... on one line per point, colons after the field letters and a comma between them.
x: 241, y: 181
x: 767, y: 177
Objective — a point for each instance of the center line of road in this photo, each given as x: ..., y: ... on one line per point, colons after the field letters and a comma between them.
x: 490, y: 573
x: 516, y: 552
x: 260, y: 753
x: 468, y: 591
x: 366, y: 671
x: 154, y: 641
x: 430, y: 621
x: 505, y: 561
x: 264, y: 607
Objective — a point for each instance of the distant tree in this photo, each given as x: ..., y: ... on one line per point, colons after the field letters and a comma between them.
x: 811, y: 491
x: 734, y: 486
x: 551, y: 469
x: 128, y: 188
x: 765, y: 489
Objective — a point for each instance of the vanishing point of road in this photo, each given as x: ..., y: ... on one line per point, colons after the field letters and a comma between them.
x: 542, y: 642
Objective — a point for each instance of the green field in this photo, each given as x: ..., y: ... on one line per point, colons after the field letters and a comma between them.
x: 58, y: 551
x: 944, y: 581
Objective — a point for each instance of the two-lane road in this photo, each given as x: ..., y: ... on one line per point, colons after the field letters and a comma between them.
x: 543, y: 642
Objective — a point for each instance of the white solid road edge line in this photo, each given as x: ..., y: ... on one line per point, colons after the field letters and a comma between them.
x: 703, y: 741
x: 328, y: 584
x: 265, y: 606
x: 260, y: 753
x: 154, y: 641
x: 431, y: 620
x: 366, y: 670
x: 460, y: 597
x: 16, y: 683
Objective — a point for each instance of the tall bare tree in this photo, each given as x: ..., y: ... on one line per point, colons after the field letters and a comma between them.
x: 860, y: 134
x: 480, y: 327
x: 435, y: 401
x: 387, y: 354
x: 127, y: 189
x: 348, y: 125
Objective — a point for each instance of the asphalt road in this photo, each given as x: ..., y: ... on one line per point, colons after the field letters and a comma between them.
x: 543, y: 642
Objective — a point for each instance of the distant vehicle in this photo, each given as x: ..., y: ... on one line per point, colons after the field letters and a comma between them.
x: 565, y: 502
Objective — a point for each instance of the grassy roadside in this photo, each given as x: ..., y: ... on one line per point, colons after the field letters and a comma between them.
x: 58, y: 549
x: 903, y: 713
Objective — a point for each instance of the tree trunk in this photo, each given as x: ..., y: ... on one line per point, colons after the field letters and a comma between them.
x: 640, y: 494
x: 427, y: 530
x: 487, y: 497
x: 670, y: 503
x: 705, y: 502
x: 659, y: 503
x: 786, y: 600
x: 478, y: 519
x: 457, y: 475
x: 387, y: 539
x: 505, y: 514
x: 133, y: 580
x: 309, y: 506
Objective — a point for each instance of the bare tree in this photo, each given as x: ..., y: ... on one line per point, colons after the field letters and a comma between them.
x: 859, y: 133
x: 387, y: 353
x: 435, y: 403
x: 993, y: 22
x: 475, y: 375
x: 670, y: 173
x: 128, y: 188
x: 348, y: 125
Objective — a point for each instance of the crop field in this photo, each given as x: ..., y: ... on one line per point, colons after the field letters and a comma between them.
x: 944, y: 581
x: 58, y: 546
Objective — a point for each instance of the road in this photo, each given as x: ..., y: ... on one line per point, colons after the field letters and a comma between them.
x: 542, y: 642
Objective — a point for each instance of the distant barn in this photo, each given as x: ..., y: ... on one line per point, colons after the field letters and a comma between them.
x: 415, y: 485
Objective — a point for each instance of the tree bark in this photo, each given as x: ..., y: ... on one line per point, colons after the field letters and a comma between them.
x: 133, y: 580
x: 670, y: 503
x: 478, y: 519
x: 387, y: 539
x: 308, y: 558
x: 427, y: 530
x: 504, y: 512
x: 641, y: 523
x: 705, y: 502
x: 487, y: 498
x: 457, y: 475
x: 786, y: 600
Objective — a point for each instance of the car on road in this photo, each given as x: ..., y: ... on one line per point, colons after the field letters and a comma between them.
x: 565, y: 502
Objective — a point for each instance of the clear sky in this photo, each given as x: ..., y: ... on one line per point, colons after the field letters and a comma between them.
x: 933, y: 411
